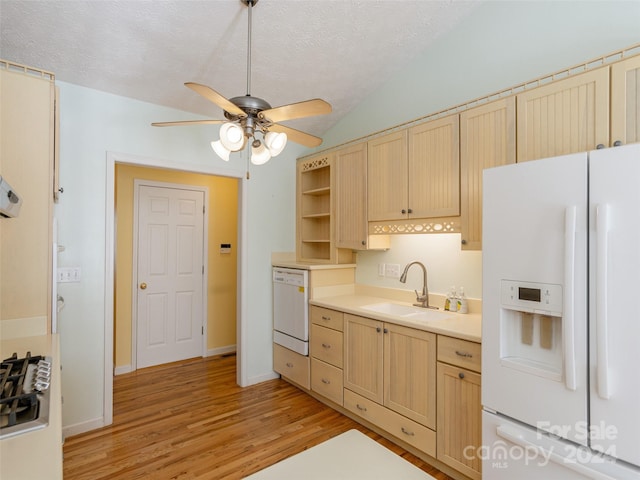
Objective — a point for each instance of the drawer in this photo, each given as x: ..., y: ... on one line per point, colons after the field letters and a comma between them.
x: 326, y: 345
x: 419, y: 436
x: 327, y: 318
x: 462, y: 353
x: 291, y: 365
x: 326, y: 380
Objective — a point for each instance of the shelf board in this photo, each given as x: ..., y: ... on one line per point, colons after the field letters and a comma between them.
x: 316, y: 240
x: 317, y: 191
x: 317, y: 215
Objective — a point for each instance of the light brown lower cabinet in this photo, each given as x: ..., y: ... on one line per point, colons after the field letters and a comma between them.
x: 421, y: 388
x: 459, y: 414
x: 291, y: 365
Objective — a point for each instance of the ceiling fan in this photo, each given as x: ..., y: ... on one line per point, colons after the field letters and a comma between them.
x: 248, y: 115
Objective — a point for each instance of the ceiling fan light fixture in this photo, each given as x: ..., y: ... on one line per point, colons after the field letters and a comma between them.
x: 259, y: 153
x: 232, y: 136
x: 220, y: 150
x: 275, y: 142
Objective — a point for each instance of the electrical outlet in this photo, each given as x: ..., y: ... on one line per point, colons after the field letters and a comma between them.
x: 381, y: 269
x: 392, y: 270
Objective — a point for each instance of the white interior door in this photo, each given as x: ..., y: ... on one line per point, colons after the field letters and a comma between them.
x: 169, y: 275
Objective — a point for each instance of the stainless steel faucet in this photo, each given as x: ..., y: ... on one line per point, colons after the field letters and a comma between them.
x: 423, y: 300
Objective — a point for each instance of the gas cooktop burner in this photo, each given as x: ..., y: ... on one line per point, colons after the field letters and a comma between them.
x: 24, y: 386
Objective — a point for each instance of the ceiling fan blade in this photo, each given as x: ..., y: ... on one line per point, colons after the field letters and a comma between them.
x: 186, y: 123
x: 308, y: 108
x: 213, y: 96
x: 297, y: 136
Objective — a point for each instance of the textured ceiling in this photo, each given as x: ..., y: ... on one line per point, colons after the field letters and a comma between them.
x: 337, y: 50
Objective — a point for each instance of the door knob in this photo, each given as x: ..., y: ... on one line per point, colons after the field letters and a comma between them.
x: 143, y: 286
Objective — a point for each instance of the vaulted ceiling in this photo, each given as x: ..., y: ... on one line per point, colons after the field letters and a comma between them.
x: 337, y: 50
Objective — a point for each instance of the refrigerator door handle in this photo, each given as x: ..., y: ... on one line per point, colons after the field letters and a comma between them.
x: 602, y: 250
x: 568, y: 321
x: 518, y: 438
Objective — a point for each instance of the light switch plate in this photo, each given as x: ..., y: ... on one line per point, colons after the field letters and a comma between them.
x: 69, y: 274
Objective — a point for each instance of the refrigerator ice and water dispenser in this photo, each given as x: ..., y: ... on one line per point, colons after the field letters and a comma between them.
x: 531, y: 326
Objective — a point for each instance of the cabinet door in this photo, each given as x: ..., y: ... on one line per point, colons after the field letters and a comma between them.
x: 487, y: 139
x: 351, y: 197
x: 410, y: 373
x: 387, y: 177
x: 363, y: 344
x: 434, y: 169
x: 567, y: 116
x: 459, y: 419
x: 625, y: 101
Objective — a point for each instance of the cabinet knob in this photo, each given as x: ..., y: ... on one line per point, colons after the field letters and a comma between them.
x: 617, y: 143
x: 403, y: 211
x: 378, y: 329
x: 410, y: 210
x: 386, y: 330
x: 463, y: 241
x: 461, y: 375
x: 364, y: 242
x: 600, y: 146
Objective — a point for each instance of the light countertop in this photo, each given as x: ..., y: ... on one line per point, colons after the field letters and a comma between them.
x: 465, y: 326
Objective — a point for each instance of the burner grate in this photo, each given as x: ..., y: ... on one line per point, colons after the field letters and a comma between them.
x: 18, y: 401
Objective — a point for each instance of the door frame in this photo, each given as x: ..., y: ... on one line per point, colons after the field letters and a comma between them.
x: 242, y: 284
x: 137, y: 183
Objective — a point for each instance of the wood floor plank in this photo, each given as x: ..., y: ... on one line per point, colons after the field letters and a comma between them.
x: 189, y: 420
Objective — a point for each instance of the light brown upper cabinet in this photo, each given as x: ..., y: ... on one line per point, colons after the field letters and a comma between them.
x: 415, y: 173
x: 566, y: 116
x: 625, y: 101
x: 387, y: 177
x: 351, y: 197
x: 487, y: 139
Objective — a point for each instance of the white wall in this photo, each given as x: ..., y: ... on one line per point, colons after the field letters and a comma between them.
x: 501, y: 44
x: 93, y: 123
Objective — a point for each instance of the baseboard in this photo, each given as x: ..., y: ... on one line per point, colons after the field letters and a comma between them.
x: 261, y: 378
x: 122, y: 369
x: 221, y: 350
x: 78, y: 428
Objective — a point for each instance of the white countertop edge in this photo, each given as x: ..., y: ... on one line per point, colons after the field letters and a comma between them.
x: 463, y: 326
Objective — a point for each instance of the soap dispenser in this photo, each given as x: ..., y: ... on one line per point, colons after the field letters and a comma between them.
x: 462, y: 306
x: 450, y: 301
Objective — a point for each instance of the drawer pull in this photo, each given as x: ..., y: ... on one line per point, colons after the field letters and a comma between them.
x: 407, y: 432
x: 289, y: 364
x: 463, y: 354
x: 325, y: 381
x: 325, y: 318
x: 326, y: 345
x: 361, y: 408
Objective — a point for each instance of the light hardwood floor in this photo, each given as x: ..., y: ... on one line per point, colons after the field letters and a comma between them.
x: 189, y: 420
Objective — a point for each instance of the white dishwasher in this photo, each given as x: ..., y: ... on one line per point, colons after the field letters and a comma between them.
x: 291, y: 309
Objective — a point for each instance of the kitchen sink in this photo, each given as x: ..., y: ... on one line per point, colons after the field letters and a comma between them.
x: 406, y: 311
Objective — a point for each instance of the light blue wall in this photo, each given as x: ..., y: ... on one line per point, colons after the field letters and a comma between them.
x: 501, y: 44
x: 93, y: 123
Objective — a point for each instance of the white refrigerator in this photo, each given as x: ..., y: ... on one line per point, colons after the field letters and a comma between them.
x: 561, y: 318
